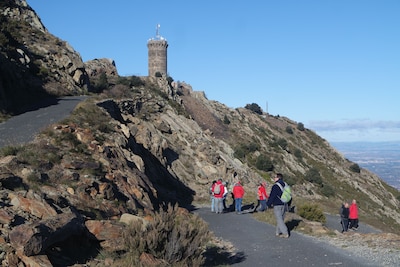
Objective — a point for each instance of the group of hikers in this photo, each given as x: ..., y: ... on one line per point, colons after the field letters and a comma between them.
x: 349, y: 216
x: 219, y: 192
x: 275, y: 200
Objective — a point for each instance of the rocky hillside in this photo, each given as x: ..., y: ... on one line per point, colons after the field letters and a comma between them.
x: 140, y: 144
x: 34, y: 63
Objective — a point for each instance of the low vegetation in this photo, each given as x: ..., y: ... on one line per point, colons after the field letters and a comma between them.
x: 172, y: 238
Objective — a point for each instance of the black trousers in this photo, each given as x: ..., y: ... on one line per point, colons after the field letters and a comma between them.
x: 353, y: 223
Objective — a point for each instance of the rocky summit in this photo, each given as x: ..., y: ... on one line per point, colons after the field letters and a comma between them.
x: 137, y: 145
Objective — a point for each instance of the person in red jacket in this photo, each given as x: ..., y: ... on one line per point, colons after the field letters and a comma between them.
x: 353, y: 215
x: 262, y: 197
x: 218, y: 196
x: 238, y: 193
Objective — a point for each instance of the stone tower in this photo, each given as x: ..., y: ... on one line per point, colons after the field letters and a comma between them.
x: 157, y: 48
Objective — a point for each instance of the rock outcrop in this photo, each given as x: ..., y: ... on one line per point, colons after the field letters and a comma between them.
x: 95, y: 67
x: 33, y: 62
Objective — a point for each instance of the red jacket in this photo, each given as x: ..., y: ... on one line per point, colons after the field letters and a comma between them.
x: 262, y: 193
x: 221, y: 191
x: 353, y: 211
x: 238, y: 191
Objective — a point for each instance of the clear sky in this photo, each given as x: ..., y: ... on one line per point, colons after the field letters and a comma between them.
x: 333, y: 65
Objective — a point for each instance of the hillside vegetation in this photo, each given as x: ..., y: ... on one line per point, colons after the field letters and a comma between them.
x: 112, y: 184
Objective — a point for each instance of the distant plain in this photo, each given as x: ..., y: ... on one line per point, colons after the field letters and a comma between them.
x: 381, y: 158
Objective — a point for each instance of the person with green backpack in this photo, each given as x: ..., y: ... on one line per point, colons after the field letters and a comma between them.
x: 278, y: 198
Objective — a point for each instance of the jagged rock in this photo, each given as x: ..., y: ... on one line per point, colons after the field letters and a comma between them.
x: 130, y: 219
x: 96, y: 67
x: 5, y: 216
x: 33, y: 239
x: 109, y: 233
x: 37, y: 208
x: 34, y: 261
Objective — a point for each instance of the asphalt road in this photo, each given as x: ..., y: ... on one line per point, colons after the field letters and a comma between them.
x: 23, y: 128
x: 257, y: 244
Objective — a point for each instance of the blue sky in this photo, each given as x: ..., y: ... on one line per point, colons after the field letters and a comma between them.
x: 333, y: 65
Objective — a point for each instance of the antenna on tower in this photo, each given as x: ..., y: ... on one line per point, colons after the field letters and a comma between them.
x: 158, y: 31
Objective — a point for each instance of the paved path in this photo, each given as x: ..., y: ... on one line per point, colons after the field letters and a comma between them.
x: 23, y: 128
x: 257, y: 244
x: 333, y: 222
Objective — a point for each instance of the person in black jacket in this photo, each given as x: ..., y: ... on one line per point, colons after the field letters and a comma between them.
x: 344, y: 217
x: 280, y: 208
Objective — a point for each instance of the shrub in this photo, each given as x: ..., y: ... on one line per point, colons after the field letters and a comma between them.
x: 313, y: 176
x: 239, y: 152
x: 327, y: 190
x: 9, y: 150
x: 282, y: 143
x: 290, y: 180
x: 101, y: 84
x: 300, y: 126
x: 254, y: 107
x: 118, y: 91
x: 297, y: 153
x: 170, y: 80
x: 137, y: 81
x: 355, y: 168
x: 264, y: 163
x: 289, y: 130
x: 243, y: 149
x: 311, y: 212
x: 226, y: 120
x: 173, y: 236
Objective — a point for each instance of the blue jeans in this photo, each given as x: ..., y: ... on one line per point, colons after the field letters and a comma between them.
x: 238, y: 204
x: 218, y: 205
x: 279, y: 212
x: 212, y: 204
x: 263, y: 204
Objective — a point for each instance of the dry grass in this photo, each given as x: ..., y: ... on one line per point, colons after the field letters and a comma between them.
x: 173, y: 237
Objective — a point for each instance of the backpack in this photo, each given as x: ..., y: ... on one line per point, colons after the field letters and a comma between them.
x: 286, y: 193
x: 217, y: 189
